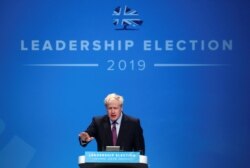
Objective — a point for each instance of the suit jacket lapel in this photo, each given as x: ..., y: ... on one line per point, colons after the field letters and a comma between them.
x: 121, y: 131
x: 107, y: 129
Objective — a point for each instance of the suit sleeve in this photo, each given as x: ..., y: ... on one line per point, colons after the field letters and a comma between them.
x: 91, y: 130
x: 139, y: 139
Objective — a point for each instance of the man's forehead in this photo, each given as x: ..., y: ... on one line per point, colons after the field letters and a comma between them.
x: 114, y: 104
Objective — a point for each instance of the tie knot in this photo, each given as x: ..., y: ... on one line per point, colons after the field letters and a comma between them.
x: 114, y: 123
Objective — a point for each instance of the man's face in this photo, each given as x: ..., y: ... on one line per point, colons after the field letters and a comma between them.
x: 114, y: 110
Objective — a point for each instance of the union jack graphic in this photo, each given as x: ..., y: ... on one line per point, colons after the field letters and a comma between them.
x: 125, y: 18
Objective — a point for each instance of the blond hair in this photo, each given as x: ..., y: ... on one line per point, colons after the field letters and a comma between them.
x: 113, y: 96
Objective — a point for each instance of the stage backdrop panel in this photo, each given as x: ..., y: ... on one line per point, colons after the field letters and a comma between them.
x: 181, y: 65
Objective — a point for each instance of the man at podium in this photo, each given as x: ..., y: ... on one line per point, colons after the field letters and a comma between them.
x: 115, y: 128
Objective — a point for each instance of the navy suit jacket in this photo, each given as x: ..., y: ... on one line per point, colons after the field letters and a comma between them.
x: 130, y: 137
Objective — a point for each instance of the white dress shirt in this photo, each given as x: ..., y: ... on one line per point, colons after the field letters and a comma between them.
x: 118, y: 124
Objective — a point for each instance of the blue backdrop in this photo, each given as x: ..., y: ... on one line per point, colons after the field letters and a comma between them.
x: 193, y: 103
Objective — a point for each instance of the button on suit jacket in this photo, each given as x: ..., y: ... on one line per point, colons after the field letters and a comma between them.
x: 130, y: 137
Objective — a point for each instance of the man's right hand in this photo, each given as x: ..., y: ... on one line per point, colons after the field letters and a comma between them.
x: 85, y: 137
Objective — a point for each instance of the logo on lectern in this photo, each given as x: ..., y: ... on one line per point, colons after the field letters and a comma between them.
x: 126, y: 18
